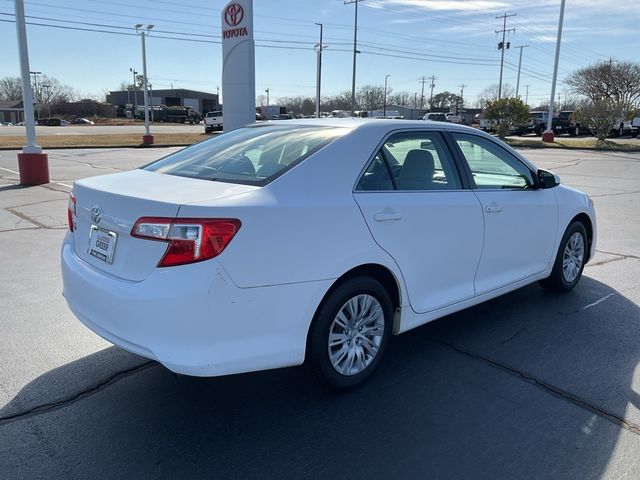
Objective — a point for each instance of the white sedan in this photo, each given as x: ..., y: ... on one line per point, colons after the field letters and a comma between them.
x: 313, y: 240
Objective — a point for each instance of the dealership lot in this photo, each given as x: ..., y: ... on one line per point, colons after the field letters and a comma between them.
x: 530, y: 385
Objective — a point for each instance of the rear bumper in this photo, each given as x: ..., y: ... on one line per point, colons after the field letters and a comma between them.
x: 192, y: 318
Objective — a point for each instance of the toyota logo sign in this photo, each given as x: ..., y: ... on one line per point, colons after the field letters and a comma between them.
x: 233, y: 14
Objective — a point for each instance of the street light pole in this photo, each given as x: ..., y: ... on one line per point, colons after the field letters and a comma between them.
x: 267, y: 92
x: 384, y: 102
x: 32, y: 163
x: 319, y: 75
x: 147, y: 139
x: 548, y: 136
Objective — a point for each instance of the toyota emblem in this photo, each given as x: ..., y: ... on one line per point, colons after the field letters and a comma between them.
x: 233, y: 14
x: 96, y: 213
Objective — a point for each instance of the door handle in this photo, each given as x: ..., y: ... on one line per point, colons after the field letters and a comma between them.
x: 493, y: 207
x: 387, y: 216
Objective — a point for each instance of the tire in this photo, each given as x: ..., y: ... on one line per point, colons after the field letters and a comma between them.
x: 570, y: 260
x: 621, y: 131
x: 540, y: 130
x: 353, y: 356
x: 575, y: 131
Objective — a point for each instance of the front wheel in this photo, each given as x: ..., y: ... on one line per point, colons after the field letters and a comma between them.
x: 350, y: 331
x: 570, y: 260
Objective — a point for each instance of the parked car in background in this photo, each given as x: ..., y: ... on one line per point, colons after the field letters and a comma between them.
x: 212, y: 121
x: 453, y: 117
x: 82, y: 121
x: 635, y: 124
x: 538, y: 123
x: 313, y: 240
x: 52, y: 122
x: 563, y: 123
x: 435, y: 117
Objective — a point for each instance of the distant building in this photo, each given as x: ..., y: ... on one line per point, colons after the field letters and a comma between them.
x: 11, y: 112
x: 202, y: 102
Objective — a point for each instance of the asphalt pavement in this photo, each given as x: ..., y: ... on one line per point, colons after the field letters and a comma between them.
x: 531, y: 385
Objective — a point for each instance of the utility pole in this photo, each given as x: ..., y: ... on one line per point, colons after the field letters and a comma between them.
x: 526, y: 98
x: 461, y: 97
x: 502, y: 46
x: 422, y: 94
x: 135, y: 91
x: 319, y: 73
x: 355, y: 52
x: 519, y: 66
x: 384, y: 102
x: 36, y: 92
x: 548, y: 136
x: 433, y: 84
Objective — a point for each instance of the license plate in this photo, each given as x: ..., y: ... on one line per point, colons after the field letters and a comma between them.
x: 102, y: 244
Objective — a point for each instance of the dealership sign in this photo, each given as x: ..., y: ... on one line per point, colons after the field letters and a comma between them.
x: 233, y: 15
x: 238, y: 64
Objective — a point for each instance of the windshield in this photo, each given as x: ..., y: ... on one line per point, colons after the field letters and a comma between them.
x: 249, y: 155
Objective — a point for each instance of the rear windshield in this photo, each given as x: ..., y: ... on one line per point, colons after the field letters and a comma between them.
x: 250, y: 155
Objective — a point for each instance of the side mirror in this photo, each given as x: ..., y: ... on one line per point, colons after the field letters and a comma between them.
x: 547, y: 179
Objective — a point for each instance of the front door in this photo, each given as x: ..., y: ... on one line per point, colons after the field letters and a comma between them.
x: 520, y: 222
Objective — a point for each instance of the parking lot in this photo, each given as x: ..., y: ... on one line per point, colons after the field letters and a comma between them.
x: 530, y: 385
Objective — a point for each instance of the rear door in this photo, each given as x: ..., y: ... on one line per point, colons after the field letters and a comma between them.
x: 417, y: 210
x: 520, y: 222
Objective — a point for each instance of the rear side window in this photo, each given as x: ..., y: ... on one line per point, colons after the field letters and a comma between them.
x: 411, y: 161
x: 250, y: 155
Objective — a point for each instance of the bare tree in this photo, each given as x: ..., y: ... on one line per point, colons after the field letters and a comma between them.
x: 618, y: 82
x: 600, y: 115
x: 10, y: 88
x: 491, y: 93
x: 402, y: 99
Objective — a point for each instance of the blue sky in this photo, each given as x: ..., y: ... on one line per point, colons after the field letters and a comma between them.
x: 406, y: 39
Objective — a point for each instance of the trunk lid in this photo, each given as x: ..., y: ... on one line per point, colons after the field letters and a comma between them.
x: 108, y: 206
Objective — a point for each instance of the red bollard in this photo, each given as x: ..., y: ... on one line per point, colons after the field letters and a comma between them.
x: 34, y: 168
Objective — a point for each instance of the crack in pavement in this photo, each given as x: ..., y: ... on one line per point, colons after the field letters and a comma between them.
x: 615, y: 194
x: 75, y: 397
x: 26, y: 218
x: 546, y: 387
x: 623, y: 256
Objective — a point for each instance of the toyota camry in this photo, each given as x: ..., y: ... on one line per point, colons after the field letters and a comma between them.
x: 314, y: 240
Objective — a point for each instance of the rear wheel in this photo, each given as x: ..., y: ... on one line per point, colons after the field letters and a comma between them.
x: 570, y: 260
x: 350, y: 331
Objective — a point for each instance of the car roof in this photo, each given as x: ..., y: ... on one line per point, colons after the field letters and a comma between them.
x: 372, y: 124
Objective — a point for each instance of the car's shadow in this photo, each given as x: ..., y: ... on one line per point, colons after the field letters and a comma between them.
x: 437, y: 407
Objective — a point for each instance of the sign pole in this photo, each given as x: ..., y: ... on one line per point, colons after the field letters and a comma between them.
x: 32, y: 163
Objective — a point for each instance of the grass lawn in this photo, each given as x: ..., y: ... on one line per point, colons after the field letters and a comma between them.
x: 115, y: 140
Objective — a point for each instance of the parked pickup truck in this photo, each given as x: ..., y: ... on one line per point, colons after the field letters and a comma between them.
x: 212, y: 121
x: 563, y: 123
x: 635, y: 125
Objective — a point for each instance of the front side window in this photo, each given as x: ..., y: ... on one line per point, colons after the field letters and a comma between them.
x: 411, y: 161
x: 250, y: 155
x: 493, y: 167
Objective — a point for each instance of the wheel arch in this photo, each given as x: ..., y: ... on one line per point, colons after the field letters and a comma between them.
x: 588, y: 225
x: 375, y: 270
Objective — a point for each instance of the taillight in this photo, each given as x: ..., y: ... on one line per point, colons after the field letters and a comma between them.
x: 71, y: 211
x: 190, y: 239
